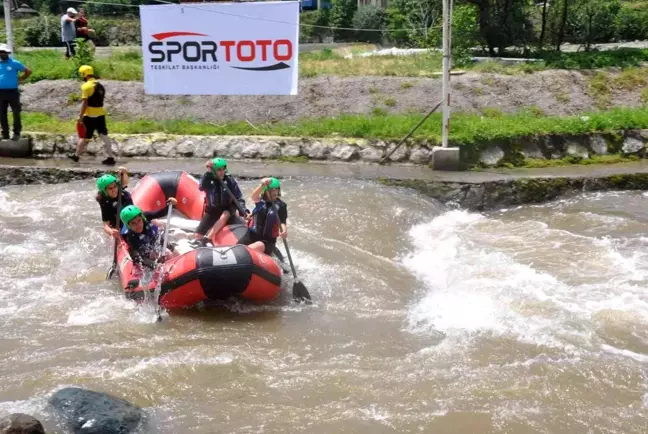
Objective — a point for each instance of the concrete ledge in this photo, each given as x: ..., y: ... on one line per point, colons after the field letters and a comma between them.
x: 472, y: 190
x: 445, y: 158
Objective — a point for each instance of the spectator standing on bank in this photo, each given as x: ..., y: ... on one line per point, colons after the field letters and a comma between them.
x: 92, y: 115
x: 68, y: 32
x: 9, y: 93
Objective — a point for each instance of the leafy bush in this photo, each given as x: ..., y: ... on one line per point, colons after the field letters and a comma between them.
x: 369, y: 17
x: 342, y: 17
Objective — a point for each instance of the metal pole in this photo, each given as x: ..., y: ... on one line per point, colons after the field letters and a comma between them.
x: 7, y: 14
x: 446, y: 73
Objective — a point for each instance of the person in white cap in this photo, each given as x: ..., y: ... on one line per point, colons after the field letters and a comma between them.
x: 68, y: 32
x: 9, y: 93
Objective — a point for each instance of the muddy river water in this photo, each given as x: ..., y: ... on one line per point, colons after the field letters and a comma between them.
x: 425, y: 319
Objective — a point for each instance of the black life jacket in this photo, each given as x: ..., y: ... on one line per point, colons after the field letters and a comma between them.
x: 97, y: 97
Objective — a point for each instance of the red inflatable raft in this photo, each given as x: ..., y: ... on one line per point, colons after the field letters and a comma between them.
x: 229, y: 269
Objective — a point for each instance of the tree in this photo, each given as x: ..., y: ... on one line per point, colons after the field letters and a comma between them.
x: 369, y: 17
x: 342, y: 17
x: 415, y: 22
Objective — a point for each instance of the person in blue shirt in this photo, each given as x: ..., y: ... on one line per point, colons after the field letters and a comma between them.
x: 220, y: 206
x: 9, y: 93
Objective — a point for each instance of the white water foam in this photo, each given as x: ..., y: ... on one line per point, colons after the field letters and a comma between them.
x: 471, y: 287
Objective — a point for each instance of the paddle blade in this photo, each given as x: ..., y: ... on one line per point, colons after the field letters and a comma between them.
x: 110, y: 272
x: 300, y: 293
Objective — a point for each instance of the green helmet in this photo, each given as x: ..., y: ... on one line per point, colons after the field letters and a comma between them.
x: 104, y: 181
x: 274, y: 185
x: 219, y: 163
x: 129, y: 213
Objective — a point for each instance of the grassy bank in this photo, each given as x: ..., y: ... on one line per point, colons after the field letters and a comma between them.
x: 127, y: 66
x: 467, y: 129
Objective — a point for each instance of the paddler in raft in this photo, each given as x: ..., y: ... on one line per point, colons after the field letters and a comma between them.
x: 220, y: 205
x: 268, y: 222
x: 108, y: 190
x: 144, y: 238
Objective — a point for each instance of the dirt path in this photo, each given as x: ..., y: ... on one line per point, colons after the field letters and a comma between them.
x: 549, y: 92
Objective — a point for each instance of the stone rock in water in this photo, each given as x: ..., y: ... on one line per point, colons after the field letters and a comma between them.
x: 89, y: 412
x: 19, y: 423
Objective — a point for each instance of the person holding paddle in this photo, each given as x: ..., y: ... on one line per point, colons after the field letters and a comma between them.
x: 268, y: 216
x: 220, y: 205
x: 110, y: 191
x: 143, y: 238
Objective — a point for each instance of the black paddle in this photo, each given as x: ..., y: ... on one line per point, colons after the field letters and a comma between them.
x: 276, y: 251
x: 300, y: 293
x: 113, y: 267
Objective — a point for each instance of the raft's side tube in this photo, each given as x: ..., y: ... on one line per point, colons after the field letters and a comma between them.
x: 214, y: 274
x: 153, y: 190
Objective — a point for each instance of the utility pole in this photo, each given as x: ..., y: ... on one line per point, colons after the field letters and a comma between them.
x: 7, y: 14
x: 447, y: 53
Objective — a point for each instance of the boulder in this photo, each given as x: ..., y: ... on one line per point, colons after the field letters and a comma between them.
x: 291, y: 150
x: 371, y: 154
x: 632, y: 145
x: 420, y: 156
x: 577, y: 150
x: 316, y: 150
x: 88, y: 412
x: 598, y: 145
x: 269, y: 149
x: 135, y: 147
x: 19, y: 423
x: 491, y: 156
x: 344, y: 152
x: 401, y: 154
x: 529, y: 148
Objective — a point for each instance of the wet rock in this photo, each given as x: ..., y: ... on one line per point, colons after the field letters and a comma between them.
x: 269, y: 149
x: 371, y: 154
x: 529, y: 148
x: 344, y: 152
x: 598, y: 145
x: 491, y: 156
x: 291, y: 150
x: 316, y: 150
x: 250, y: 150
x: 420, y: 156
x: 89, y: 412
x: 552, y: 147
x: 401, y: 154
x: 19, y: 423
x: 204, y: 147
x: 64, y: 144
x: 577, y: 150
x: 187, y: 147
x: 43, y: 144
x: 163, y: 146
x: 632, y: 145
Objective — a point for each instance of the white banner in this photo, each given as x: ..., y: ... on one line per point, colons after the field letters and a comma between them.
x: 221, y: 48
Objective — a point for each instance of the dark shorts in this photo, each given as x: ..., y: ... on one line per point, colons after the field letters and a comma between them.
x: 253, y: 237
x: 95, y: 124
x: 70, y: 48
x: 211, y: 216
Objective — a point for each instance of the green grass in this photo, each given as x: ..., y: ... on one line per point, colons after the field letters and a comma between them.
x: 466, y: 128
x: 595, y: 159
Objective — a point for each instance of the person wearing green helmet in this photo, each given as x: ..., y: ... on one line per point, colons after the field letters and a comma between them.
x: 268, y: 222
x: 108, y: 190
x: 143, y: 238
x: 107, y: 197
x: 220, y: 205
